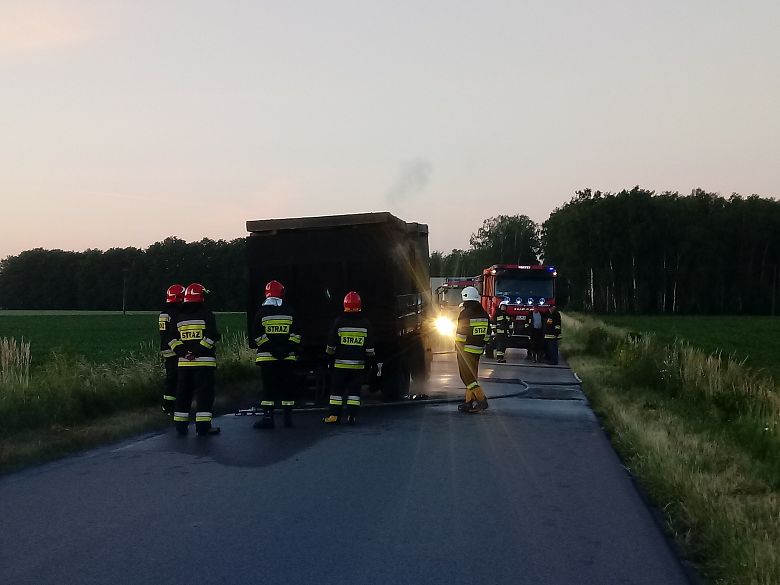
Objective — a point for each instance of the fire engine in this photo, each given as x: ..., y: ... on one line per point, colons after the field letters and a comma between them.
x: 524, y: 288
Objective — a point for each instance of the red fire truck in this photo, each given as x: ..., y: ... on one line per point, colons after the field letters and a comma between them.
x: 524, y: 288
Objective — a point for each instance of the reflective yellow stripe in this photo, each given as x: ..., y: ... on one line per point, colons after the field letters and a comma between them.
x: 472, y: 349
x: 167, y: 353
x: 460, y: 338
x: 549, y: 336
x: 336, y: 402
x: 202, y: 419
x: 174, y: 343
x: 168, y: 397
x: 205, y: 343
x: 288, y: 402
x: 350, y: 366
x: 295, y: 338
x: 291, y: 358
x: 330, y: 350
x: 266, y: 403
x: 181, y: 418
x: 353, y: 402
x: 472, y: 385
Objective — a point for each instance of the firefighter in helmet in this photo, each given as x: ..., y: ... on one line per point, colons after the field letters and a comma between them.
x: 276, y: 338
x: 502, y: 326
x: 552, y: 335
x: 350, y: 350
x: 470, y: 338
x: 166, y: 323
x: 196, y: 335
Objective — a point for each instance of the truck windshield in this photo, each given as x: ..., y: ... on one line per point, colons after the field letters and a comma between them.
x: 451, y: 296
x: 517, y: 286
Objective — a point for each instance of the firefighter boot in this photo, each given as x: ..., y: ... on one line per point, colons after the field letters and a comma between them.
x: 482, y: 402
x: 208, y: 431
x: 288, y: 417
x: 468, y: 403
x: 267, y: 420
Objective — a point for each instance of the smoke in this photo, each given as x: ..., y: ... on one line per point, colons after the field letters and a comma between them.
x: 413, y: 176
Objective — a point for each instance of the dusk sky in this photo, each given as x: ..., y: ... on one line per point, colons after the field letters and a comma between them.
x: 123, y: 122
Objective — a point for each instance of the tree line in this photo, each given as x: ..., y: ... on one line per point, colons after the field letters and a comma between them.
x: 631, y: 251
x: 646, y: 252
x: 96, y: 280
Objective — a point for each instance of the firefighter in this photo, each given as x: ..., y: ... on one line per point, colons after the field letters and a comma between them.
x: 196, y: 336
x: 350, y: 350
x: 470, y: 339
x: 276, y: 338
x: 535, y: 328
x: 502, y: 325
x: 166, y: 323
x: 552, y: 333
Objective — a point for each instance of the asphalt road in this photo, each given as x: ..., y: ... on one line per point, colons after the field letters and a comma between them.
x: 528, y: 492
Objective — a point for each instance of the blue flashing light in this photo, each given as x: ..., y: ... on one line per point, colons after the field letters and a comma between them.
x: 551, y: 268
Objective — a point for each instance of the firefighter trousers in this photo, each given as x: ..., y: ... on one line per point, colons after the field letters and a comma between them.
x: 500, y: 343
x: 278, y: 379
x: 468, y: 368
x: 345, y: 386
x: 197, y: 381
x: 171, y: 380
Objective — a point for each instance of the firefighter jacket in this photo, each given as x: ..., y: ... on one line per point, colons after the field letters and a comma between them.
x: 503, y: 323
x: 166, y: 323
x: 275, y: 333
x: 552, y: 325
x: 473, y: 331
x: 351, y: 342
x: 196, y: 334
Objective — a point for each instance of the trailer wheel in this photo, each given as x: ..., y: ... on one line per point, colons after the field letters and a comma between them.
x: 395, y: 379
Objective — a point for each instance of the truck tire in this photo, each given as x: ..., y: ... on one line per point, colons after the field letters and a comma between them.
x: 395, y: 379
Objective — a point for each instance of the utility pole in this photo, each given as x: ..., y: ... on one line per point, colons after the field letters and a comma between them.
x: 124, y: 291
x: 774, y: 290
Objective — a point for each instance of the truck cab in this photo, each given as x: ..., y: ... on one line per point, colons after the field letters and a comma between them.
x: 524, y: 288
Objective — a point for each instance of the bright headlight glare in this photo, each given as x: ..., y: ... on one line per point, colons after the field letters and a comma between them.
x: 444, y: 326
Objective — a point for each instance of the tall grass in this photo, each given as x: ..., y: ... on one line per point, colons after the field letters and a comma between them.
x: 701, y: 432
x: 69, y: 389
x: 14, y: 362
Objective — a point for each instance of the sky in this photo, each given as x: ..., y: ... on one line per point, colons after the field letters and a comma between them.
x: 124, y: 122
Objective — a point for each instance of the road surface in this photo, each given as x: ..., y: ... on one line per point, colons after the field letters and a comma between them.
x: 528, y: 492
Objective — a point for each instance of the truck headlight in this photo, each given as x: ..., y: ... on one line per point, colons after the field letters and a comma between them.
x: 445, y: 326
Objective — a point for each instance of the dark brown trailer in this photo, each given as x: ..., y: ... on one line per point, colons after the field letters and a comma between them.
x: 320, y: 259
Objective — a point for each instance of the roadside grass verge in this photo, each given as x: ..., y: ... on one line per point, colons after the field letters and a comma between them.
x: 700, y: 431
x: 71, y: 402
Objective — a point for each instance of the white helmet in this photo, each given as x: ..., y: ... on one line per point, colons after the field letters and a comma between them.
x: 469, y: 294
x: 503, y: 304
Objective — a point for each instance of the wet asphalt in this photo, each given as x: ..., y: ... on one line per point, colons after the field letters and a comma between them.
x: 527, y: 492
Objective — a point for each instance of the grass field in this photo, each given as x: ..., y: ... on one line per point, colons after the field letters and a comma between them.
x: 754, y: 339
x: 97, y: 336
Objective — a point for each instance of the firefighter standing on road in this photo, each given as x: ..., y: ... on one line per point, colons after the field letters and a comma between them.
x: 470, y: 339
x: 276, y: 339
x: 552, y: 333
x: 197, y: 335
x: 351, y: 349
x: 166, y: 323
x: 502, y: 325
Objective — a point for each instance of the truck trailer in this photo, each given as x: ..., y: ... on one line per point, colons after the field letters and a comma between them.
x: 320, y: 259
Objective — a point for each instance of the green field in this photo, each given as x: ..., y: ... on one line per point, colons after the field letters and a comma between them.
x: 754, y: 339
x: 98, y: 336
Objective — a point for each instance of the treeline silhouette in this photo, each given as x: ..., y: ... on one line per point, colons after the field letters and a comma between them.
x: 630, y: 251
x: 638, y: 251
x: 94, y: 279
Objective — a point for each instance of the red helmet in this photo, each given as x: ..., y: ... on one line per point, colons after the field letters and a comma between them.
x: 274, y: 289
x: 195, y: 293
x: 352, y: 302
x: 174, y: 294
